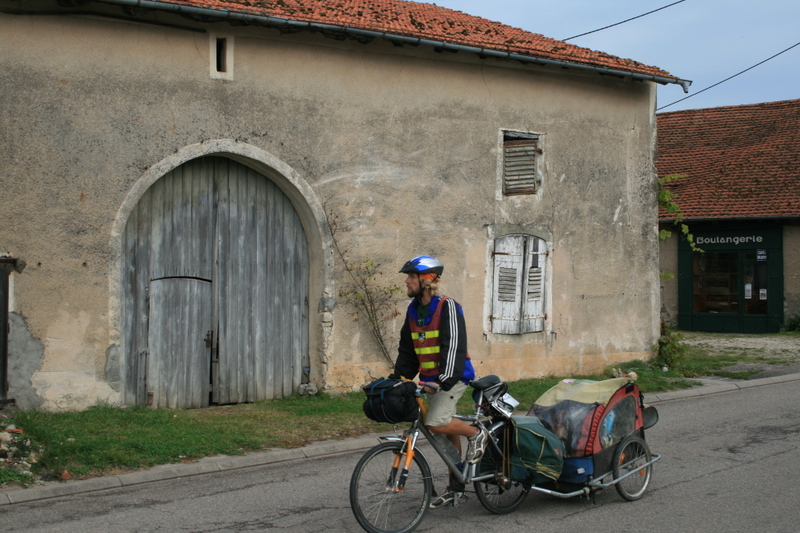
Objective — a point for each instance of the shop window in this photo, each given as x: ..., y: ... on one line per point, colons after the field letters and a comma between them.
x: 520, y: 154
x: 716, y: 282
x: 520, y: 268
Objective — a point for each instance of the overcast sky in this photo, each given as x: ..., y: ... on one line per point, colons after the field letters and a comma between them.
x: 704, y: 41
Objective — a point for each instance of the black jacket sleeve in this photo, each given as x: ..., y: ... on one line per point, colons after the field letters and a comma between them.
x: 407, y: 364
x: 452, y: 344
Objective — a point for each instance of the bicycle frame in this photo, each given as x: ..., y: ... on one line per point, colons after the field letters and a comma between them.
x: 465, y: 475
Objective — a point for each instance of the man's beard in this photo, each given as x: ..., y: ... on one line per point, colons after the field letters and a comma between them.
x: 415, y: 293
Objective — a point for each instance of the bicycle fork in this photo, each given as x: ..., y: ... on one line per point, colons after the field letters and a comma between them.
x: 402, y: 464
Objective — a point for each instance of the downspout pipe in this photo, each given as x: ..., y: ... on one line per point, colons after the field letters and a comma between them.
x: 414, y: 41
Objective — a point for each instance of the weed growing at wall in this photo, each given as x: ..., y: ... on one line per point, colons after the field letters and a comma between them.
x: 666, y: 200
x: 375, y: 303
x: 670, y: 352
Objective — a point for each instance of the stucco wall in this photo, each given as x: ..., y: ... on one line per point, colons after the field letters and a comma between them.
x: 401, y: 143
x: 668, y: 250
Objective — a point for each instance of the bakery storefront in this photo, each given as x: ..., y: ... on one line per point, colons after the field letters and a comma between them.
x: 735, y: 285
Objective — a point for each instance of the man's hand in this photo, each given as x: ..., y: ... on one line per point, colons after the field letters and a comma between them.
x: 429, y: 387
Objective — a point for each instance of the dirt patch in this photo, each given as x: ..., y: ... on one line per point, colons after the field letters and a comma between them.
x: 784, y: 348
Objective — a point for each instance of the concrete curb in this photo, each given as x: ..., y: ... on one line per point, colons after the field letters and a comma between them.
x: 328, y: 448
x: 207, y: 465
x: 713, y: 386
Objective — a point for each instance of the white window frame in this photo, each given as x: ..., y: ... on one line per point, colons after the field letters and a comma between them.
x: 220, y: 67
x: 519, y: 284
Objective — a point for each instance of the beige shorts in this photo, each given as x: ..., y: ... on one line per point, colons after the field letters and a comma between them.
x: 442, y: 405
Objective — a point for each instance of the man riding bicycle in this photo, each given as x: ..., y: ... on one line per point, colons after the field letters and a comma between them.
x: 433, y: 344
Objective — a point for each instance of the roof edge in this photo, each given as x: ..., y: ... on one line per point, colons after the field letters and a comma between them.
x: 727, y: 219
x: 269, y: 19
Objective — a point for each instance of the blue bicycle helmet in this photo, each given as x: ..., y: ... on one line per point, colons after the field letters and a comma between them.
x: 424, y: 264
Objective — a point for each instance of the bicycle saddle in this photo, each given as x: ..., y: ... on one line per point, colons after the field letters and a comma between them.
x: 485, y: 382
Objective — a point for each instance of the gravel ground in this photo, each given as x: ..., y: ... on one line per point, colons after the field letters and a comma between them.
x: 772, y: 346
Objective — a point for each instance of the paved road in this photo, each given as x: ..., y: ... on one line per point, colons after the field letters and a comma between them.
x: 731, y: 463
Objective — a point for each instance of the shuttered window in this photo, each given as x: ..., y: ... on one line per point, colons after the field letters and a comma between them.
x: 519, y: 163
x: 518, y: 303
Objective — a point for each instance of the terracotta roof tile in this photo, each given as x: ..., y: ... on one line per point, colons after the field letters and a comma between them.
x: 426, y: 21
x: 741, y: 161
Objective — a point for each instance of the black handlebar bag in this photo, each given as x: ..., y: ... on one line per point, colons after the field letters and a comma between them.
x: 391, y: 401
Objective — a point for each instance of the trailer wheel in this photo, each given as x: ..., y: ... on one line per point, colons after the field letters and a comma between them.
x: 629, y: 457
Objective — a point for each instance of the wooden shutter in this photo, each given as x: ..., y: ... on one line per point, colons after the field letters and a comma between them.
x: 533, y: 291
x: 519, y: 166
x: 508, y: 274
x: 518, y: 301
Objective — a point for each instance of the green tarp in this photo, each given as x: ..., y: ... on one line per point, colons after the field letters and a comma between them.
x: 538, y: 453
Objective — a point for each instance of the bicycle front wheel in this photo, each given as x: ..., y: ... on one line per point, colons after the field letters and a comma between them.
x: 377, y: 504
x: 499, y: 494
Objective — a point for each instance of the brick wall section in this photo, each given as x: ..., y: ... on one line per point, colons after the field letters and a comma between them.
x: 741, y: 161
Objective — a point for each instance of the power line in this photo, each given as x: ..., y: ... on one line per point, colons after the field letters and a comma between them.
x: 728, y: 78
x: 624, y: 21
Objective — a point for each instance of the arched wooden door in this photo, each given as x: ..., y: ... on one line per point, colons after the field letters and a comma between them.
x: 214, y: 242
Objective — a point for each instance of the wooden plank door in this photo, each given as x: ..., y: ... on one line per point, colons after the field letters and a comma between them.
x: 237, y: 235
x: 169, y: 234
x: 261, y: 289
x: 179, y: 343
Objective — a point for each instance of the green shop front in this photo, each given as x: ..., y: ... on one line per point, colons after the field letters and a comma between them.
x: 735, y: 284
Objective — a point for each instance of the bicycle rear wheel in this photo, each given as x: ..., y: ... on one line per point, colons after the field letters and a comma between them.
x: 377, y: 506
x: 499, y: 495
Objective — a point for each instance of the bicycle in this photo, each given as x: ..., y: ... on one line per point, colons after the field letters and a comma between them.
x: 392, y: 485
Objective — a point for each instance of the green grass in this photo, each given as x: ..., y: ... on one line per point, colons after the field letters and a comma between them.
x: 105, y: 440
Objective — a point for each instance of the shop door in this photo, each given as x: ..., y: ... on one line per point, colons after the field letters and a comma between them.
x: 736, y: 284
x: 755, y: 292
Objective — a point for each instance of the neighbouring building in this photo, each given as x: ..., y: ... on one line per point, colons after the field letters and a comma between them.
x: 171, y: 169
x: 740, y: 198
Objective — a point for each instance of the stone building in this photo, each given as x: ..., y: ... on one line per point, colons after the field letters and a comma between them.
x: 170, y: 170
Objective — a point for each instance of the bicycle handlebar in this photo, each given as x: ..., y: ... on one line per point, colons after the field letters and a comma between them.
x: 432, y: 385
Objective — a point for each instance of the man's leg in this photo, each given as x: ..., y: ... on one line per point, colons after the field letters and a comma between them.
x: 441, y: 408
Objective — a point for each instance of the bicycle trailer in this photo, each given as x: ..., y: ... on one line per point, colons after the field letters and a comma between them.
x: 601, y: 424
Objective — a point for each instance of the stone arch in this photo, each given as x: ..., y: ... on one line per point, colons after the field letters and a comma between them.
x: 308, y: 208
